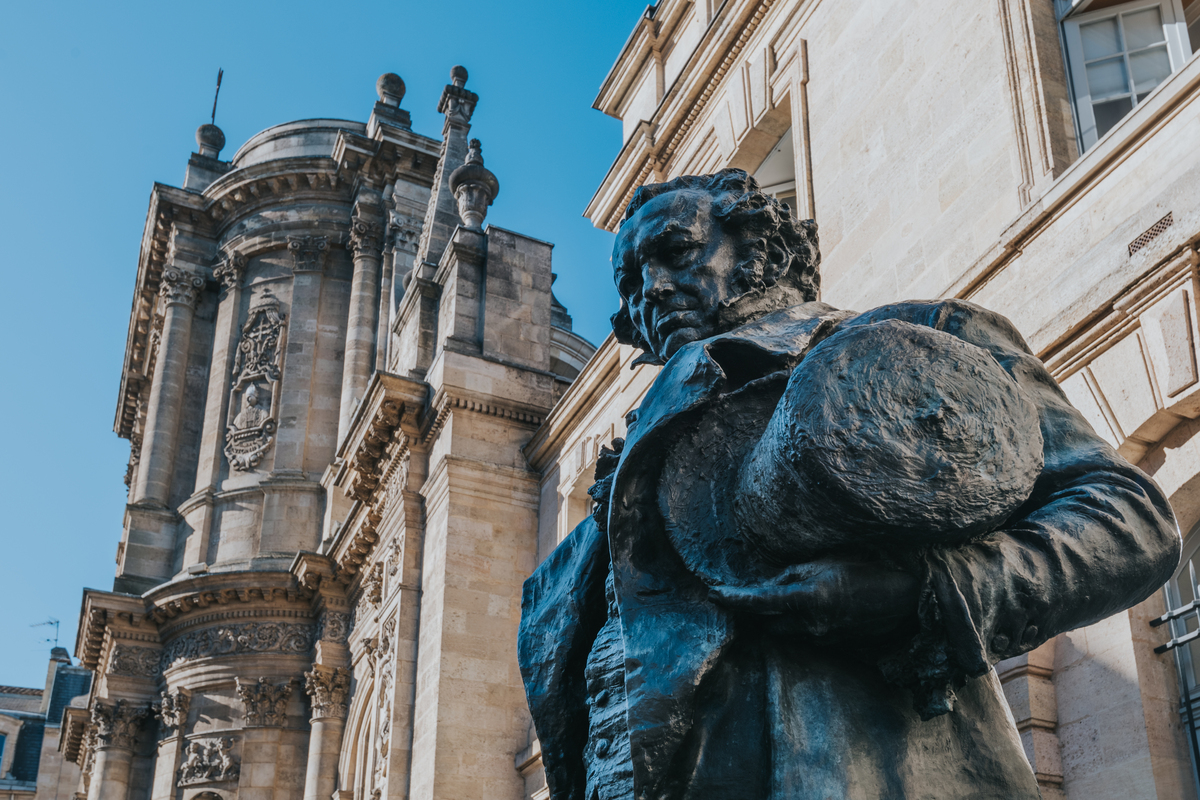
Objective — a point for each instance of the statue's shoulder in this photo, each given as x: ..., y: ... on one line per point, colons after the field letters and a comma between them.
x: 966, y: 320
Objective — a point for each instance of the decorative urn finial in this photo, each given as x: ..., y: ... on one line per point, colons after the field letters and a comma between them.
x: 458, y: 76
x: 390, y: 87
x: 210, y: 139
x: 474, y: 187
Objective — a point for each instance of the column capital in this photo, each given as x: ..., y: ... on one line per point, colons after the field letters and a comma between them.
x: 309, y: 252
x: 264, y: 703
x: 329, y: 690
x: 180, y: 287
x: 117, y: 724
x: 364, y: 237
x: 231, y: 270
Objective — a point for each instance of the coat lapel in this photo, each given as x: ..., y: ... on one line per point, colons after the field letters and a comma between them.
x: 673, y: 634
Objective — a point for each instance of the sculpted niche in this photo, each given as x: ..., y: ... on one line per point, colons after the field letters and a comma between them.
x: 256, y: 374
x: 821, y: 532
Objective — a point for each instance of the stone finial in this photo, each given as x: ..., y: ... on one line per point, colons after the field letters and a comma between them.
x: 458, y: 102
x: 210, y: 139
x: 390, y: 88
x: 474, y: 187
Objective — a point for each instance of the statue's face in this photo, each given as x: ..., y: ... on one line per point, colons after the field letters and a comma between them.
x: 674, y: 266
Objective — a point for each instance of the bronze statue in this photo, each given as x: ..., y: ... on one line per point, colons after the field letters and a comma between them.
x: 821, y: 531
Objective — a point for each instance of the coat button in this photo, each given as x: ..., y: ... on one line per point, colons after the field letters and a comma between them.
x: 602, y: 747
x: 999, y: 643
x: 602, y: 699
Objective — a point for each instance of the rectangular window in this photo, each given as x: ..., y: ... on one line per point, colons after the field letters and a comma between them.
x: 1118, y: 54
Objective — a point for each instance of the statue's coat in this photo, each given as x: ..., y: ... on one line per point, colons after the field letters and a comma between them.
x: 720, y: 709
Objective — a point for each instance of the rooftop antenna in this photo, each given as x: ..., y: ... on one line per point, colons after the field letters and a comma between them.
x: 220, y: 73
x: 49, y: 621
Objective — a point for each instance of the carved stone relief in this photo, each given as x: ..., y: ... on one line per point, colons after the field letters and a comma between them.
x: 140, y: 662
x: 172, y: 711
x: 333, y: 627
x: 372, y: 586
x: 264, y: 703
x: 246, y: 637
x: 253, y: 398
x: 329, y: 690
x: 117, y: 724
x: 208, y: 761
x: 385, y: 678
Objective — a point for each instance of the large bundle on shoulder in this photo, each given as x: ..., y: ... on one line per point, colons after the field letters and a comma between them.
x: 889, y: 436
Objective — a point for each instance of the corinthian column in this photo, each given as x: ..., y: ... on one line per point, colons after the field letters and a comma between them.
x: 366, y: 241
x: 329, y: 690
x: 115, y: 728
x: 179, y: 291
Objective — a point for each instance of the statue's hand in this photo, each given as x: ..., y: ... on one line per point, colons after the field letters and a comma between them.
x: 830, y: 597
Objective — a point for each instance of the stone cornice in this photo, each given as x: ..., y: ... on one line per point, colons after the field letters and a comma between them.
x: 183, y: 598
x: 683, y: 103
x: 101, y: 609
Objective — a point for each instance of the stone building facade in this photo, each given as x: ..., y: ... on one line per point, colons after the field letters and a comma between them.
x: 359, y: 419
x: 1034, y: 156
x: 330, y: 373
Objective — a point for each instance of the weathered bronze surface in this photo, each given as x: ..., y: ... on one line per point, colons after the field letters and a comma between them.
x: 821, y: 531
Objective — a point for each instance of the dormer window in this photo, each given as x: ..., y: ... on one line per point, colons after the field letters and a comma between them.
x: 1117, y: 54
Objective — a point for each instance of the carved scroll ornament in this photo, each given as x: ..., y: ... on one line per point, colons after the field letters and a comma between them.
x: 333, y: 626
x: 246, y: 637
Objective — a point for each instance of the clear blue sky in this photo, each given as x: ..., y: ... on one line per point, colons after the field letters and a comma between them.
x: 99, y: 100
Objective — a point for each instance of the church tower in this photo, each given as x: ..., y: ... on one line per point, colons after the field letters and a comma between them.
x: 331, y: 368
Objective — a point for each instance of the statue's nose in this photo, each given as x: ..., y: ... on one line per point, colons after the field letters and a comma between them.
x: 656, y: 282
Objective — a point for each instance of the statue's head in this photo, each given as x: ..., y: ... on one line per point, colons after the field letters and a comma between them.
x: 251, y: 396
x: 702, y: 254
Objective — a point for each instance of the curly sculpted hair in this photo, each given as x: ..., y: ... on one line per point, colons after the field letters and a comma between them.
x: 773, y: 245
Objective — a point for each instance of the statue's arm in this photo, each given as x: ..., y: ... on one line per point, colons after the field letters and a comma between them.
x: 1096, y: 537
x: 562, y: 608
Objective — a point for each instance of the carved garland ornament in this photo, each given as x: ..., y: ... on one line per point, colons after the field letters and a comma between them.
x: 208, y: 761
x: 264, y: 703
x: 253, y: 398
x: 246, y: 637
